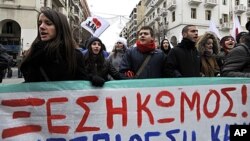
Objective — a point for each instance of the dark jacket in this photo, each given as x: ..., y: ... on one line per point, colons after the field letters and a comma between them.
x: 220, y: 58
x: 97, y: 65
x: 53, y: 67
x: 106, y: 69
x: 183, y: 60
x: 237, y: 62
x: 5, y: 59
x: 133, y: 59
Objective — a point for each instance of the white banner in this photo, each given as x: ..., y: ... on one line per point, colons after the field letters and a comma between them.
x: 138, y: 111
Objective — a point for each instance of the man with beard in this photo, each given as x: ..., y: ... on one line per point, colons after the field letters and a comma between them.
x: 184, y: 60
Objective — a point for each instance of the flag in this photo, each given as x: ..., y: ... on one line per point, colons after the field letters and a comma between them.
x: 236, y: 27
x: 95, y: 25
x: 214, y: 29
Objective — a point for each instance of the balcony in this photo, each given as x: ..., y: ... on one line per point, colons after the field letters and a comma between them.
x: 194, y: 2
x: 155, y: 3
x: 164, y: 26
x: 163, y: 12
x: 60, y: 3
x: 239, y: 9
x: 147, y: 2
x: 210, y: 3
x: 248, y: 11
x: 149, y: 10
x: 157, y: 18
x: 171, y: 5
x: 225, y: 26
x: 151, y: 22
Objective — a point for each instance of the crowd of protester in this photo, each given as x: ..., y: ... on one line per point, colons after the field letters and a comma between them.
x: 55, y: 56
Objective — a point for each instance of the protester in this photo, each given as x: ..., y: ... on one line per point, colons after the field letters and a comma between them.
x: 53, y: 55
x: 6, y: 62
x: 208, y: 47
x: 104, y: 52
x: 237, y: 62
x: 97, y: 67
x: 240, y: 36
x: 227, y: 43
x: 145, y: 49
x: 118, y: 52
x: 165, y: 46
x: 184, y: 60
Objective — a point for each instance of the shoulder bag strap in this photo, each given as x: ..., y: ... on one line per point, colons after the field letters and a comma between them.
x: 143, y: 65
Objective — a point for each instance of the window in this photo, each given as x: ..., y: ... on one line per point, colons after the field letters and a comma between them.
x: 239, y: 18
x: 193, y: 13
x: 164, y: 5
x: 9, y: 27
x: 165, y: 20
x: 224, y: 2
x: 224, y: 18
x: 208, y: 14
x: 158, y: 10
x: 237, y: 2
x: 173, y: 16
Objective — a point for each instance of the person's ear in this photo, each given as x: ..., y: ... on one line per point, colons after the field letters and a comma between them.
x: 184, y: 35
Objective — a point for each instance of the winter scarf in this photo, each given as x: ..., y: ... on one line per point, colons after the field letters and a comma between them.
x: 145, y: 48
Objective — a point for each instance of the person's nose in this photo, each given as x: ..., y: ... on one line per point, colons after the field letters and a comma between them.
x: 42, y: 26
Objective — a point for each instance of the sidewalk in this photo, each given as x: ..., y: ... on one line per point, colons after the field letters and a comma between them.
x: 12, y: 80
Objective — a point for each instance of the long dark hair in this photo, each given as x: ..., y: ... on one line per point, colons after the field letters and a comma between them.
x: 63, y: 42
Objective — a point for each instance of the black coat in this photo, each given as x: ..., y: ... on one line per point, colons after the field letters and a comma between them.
x: 237, y: 62
x: 183, y: 60
x: 54, y: 67
x: 99, y: 66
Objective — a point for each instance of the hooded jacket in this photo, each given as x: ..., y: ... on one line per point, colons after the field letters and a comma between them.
x: 209, y: 66
x: 96, y: 64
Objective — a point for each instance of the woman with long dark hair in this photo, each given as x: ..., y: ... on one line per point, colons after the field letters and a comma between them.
x: 97, y: 67
x: 53, y: 55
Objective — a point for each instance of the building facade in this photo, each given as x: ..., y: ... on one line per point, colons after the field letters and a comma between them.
x: 136, y: 21
x: 168, y: 17
x: 18, y: 20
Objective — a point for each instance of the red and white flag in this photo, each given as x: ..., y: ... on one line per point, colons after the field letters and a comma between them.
x: 236, y: 27
x: 95, y: 25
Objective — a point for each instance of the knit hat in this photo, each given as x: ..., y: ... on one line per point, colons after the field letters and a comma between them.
x: 122, y: 40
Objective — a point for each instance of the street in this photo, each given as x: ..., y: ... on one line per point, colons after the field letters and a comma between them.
x: 14, y: 79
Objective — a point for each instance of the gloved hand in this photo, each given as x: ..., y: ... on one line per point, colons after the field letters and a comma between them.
x: 97, y: 81
x: 129, y: 74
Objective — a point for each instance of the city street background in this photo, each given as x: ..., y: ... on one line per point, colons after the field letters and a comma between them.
x: 14, y: 79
